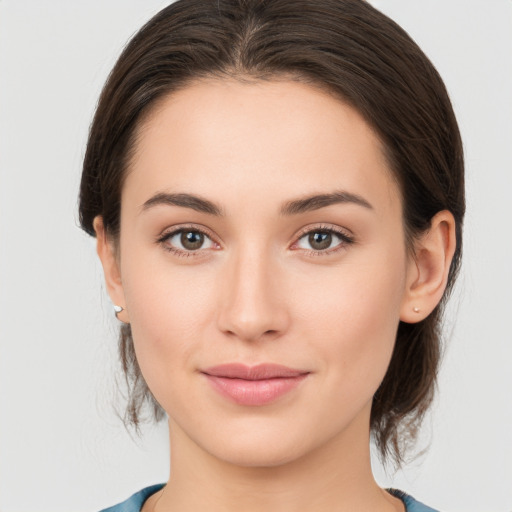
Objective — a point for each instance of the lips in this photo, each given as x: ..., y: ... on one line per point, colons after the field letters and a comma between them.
x: 253, y: 385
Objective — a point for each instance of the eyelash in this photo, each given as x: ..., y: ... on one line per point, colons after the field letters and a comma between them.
x: 183, y: 229
x: 345, y: 239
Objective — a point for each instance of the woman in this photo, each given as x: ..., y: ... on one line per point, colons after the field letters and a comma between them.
x: 277, y: 193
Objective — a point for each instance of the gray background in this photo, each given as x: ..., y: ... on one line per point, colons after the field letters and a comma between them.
x: 61, y: 446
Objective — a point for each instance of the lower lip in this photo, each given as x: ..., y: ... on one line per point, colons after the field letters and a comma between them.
x: 254, y: 392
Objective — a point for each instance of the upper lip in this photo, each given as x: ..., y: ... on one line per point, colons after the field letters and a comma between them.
x: 258, y: 372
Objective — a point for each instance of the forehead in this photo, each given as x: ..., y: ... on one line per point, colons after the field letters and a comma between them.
x: 273, y: 138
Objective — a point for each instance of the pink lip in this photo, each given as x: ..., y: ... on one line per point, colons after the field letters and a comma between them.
x: 253, y: 385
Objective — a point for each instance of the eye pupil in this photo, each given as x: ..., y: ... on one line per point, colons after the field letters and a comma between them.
x: 320, y: 240
x: 192, y: 239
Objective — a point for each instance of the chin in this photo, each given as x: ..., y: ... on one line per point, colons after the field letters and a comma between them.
x: 257, y: 447
x: 258, y: 456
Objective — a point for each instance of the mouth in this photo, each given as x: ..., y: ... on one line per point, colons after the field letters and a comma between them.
x: 254, y: 385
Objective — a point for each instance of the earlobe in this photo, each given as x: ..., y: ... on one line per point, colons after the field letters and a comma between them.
x: 428, y: 269
x: 109, y: 260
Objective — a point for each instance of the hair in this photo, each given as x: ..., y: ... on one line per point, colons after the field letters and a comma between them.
x: 345, y: 47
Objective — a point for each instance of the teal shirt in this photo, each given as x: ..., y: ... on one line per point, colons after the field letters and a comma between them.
x: 135, y: 502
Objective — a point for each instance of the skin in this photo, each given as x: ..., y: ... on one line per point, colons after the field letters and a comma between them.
x: 257, y: 291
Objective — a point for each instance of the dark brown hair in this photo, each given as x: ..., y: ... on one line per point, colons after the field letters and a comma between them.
x: 346, y: 47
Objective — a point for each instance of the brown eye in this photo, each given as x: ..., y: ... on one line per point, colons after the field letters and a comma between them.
x: 320, y: 240
x: 186, y: 241
x: 324, y: 240
x: 191, y: 240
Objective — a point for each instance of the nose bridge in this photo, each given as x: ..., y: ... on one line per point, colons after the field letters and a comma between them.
x: 252, y: 303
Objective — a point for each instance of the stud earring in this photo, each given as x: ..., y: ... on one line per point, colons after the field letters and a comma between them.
x: 117, y: 309
x: 416, y: 310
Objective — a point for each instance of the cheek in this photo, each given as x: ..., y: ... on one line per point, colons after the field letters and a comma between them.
x: 168, y: 313
x: 353, y: 323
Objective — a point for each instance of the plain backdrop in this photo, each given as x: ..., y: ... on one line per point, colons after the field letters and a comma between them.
x: 62, y: 447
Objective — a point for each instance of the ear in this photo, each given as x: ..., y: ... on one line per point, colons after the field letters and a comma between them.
x: 109, y: 260
x: 428, y: 267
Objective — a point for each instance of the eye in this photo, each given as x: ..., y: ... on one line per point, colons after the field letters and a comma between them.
x: 186, y: 241
x: 324, y: 240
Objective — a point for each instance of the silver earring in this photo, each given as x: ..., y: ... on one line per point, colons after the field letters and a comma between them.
x: 117, y: 309
x: 416, y: 310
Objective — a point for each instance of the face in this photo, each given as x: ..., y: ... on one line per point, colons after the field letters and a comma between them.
x: 261, y: 226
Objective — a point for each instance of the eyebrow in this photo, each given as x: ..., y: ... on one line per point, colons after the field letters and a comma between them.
x: 316, y: 202
x: 184, y: 200
x: 294, y: 207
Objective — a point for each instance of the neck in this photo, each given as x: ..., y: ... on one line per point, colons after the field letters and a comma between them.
x: 334, y: 477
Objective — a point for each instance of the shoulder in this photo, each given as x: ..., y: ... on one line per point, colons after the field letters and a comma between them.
x: 134, y: 503
x: 410, y: 503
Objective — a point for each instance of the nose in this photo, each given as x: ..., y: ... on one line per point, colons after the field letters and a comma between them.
x: 253, y: 305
